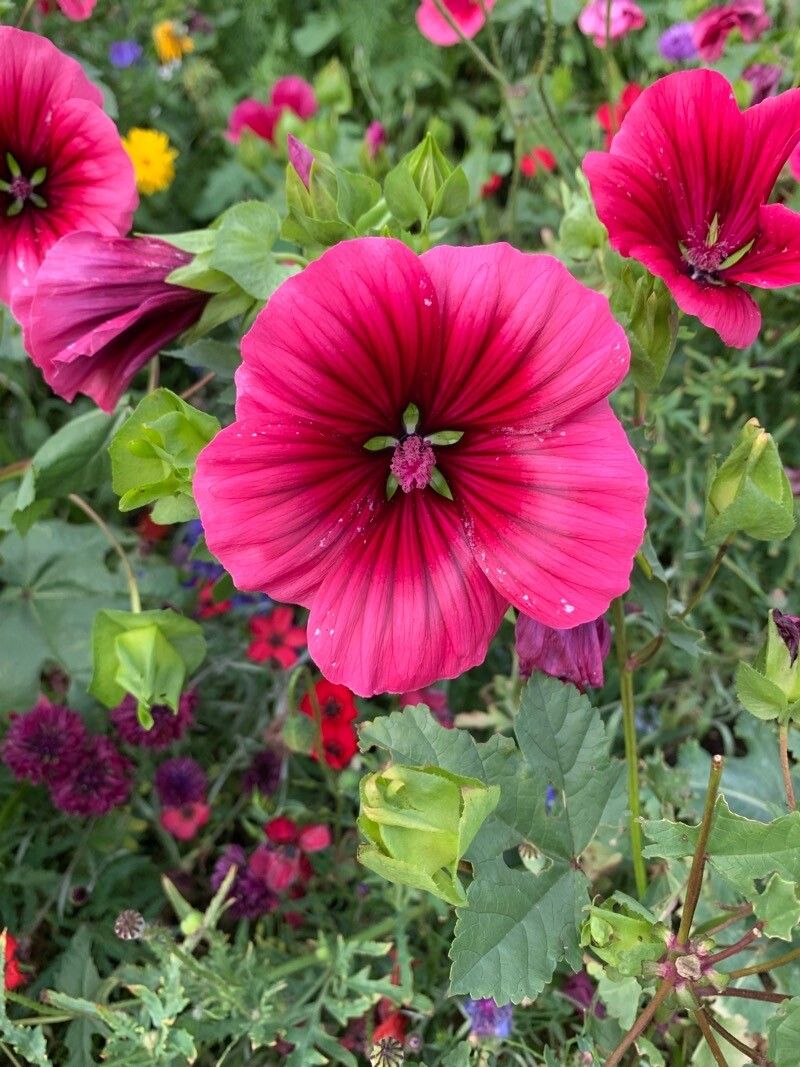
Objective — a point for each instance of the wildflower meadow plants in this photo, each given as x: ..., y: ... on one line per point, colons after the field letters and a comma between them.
x: 398, y: 617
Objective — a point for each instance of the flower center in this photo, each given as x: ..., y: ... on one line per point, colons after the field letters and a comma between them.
x: 413, y: 461
x: 20, y: 189
x: 706, y: 259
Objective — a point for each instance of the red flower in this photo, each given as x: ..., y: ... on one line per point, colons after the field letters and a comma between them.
x: 684, y: 190
x: 712, y: 28
x: 278, y: 866
x: 275, y: 637
x: 281, y: 831
x: 338, y: 712
x: 485, y: 372
x: 100, y: 308
x: 62, y: 166
x: 469, y: 16
x: 207, y: 606
x: 150, y: 531
x: 491, y: 186
x: 14, y: 977
x: 610, y: 116
x: 314, y: 838
x: 394, y: 1025
x: 185, y: 821
x: 537, y: 157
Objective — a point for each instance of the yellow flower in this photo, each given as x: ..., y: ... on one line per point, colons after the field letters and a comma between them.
x: 153, y: 159
x: 171, y: 43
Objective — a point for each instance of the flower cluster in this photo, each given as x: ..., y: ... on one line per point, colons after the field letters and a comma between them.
x: 85, y: 773
x: 275, y: 638
x: 291, y: 93
x: 181, y: 786
x: 337, y: 711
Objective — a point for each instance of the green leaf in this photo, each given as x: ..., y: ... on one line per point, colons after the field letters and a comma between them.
x: 759, y: 695
x: 318, y: 30
x: 778, y: 907
x: 621, y: 998
x: 783, y: 1032
x: 210, y: 355
x: 243, y: 249
x: 77, y: 976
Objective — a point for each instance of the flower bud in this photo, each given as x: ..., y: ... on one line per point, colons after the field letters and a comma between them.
x: 425, y: 185
x: 419, y: 822
x: 750, y: 493
x: 624, y: 935
x: 770, y: 689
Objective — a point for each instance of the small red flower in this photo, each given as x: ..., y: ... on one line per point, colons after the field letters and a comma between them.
x: 278, y: 866
x: 207, y: 606
x: 275, y: 637
x: 338, y: 711
x: 281, y: 831
x: 314, y: 838
x: 150, y: 531
x: 14, y: 977
x: 536, y: 158
x: 491, y: 186
x: 393, y: 1025
x: 185, y: 821
x: 610, y: 116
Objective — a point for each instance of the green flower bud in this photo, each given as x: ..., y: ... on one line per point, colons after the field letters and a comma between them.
x: 424, y: 185
x: 770, y: 689
x: 624, y: 935
x: 330, y: 204
x: 418, y: 823
x: 332, y: 87
x: 750, y: 493
x: 645, y: 307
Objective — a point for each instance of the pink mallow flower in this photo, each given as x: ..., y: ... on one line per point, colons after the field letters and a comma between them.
x: 62, y: 166
x: 295, y: 93
x: 77, y: 10
x: 262, y: 119
x: 185, y: 821
x: 625, y: 16
x: 712, y: 29
x: 684, y: 189
x: 100, y: 308
x: 418, y: 441
x: 468, y: 15
x: 575, y: 655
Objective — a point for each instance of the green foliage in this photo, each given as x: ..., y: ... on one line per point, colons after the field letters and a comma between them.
x: 424, y: 186
x: 625, y: 935
x: 770, y: 689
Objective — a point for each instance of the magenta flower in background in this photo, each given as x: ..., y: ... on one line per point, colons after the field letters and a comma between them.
x: 713, y: 27
x: 540, y: 497
x: 301, y: 157
x: 685, y: 188
x: 375, y: 138
x: 250, y: 895
x: 575, y: 655
x: 180, y: 781
x: 434, y: 699
x: 45, y: 743
x: 677, y: 42
x: 100, y: 781
x: 100, y: 308
x: 67, y: 173
x: 295, y: 93
x: 167, y: 726
x: 625, y: 16
x: 186, y: 821
x: 77, y: 10
x: 254, y: 115
x: 764, y: 78
x: 468, y: 15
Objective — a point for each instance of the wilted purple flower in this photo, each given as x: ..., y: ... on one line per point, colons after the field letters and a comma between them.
x: 677, y: 43
x: 180, y: 781
x: 301, y: 157
x: 375, y: 138
x: 250, y: 896
x: 102, y: 780
x: 487, y: 1018
x: 167, y: 726
x: 789, y: 629
x: 45, y: 743
x: 765, y: 78
x: 263, y: 774
x: 579, y: 988
x: 124, y: 54
x: 574, y: 655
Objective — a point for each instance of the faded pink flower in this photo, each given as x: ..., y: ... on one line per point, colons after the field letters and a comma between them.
x: 468, y: 15
x: 256, y: 116
x: 625, y: 16
x: 484, y: 368
x: 575, y: 655
x: 712, y: 28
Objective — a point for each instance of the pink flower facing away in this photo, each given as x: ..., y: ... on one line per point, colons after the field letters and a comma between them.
x: 45, y: 744
x: 712, y: 28
x: 102, y: 780
x: 374, y: 346
x: 684, y: 190
x: 100, y: 309
x: 575, y: 655
x: 262, y: 119
x: 77, y: 10
x: 434, y: 699
x: 167, y: 726
x: 62, y: 166
x: 625, y: 16
x: 468, y: 15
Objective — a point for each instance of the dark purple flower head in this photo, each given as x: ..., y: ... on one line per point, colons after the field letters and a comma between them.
x: 250, y: 895
x: 180, y: 781
x: 789, y: 629
x: 167, y: 726
x: 574, y: 655
x: 102, y: 780
x: 487, y: 1018
x: 677, y: 43
x: 45, y: 743
x: 122, y: 54
x: 765, y: 78
x: 263, y: 774
x: 579, y: 988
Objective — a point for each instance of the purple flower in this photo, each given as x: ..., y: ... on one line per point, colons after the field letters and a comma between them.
x: 677, y: 43
x: 550, y: 798
x: 793, y: 474
x: 263, y: 774
x: 487, y: 1018
x: 249, y: 894
x: 375, y: 138
x: 579, y: 988
x: 765, y: 78
x: 167, y: 726
x: 45, y: 743
x: 789, y: 629
x: 574, y: 655
x: 124, y: 54
x: 100, y: 781
x: 180, y: 781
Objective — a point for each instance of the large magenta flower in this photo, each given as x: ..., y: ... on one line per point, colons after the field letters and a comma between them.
x: 62, y: 167
x: 468, y: 15
x: 375, y: 386
x: 684, y: 190
x: 712, y: 29
x: 100, y: 309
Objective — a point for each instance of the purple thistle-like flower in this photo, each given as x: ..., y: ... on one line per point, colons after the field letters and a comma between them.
x: 167, y: 726
x: 263, y: 774
x: 44, y: 744
x: 677, y: 43
x: 102, y: 780
x: 122, y: 54
x: 180, y: 781
x: 488, y: 1018
x: 250, y: 896
x: 789, y: 629
x: 765, y: 78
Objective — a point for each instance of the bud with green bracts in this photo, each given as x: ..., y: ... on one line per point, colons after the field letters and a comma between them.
x: 770, y: 689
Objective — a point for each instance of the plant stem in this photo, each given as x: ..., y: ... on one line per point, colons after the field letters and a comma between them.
x: 133, y: 588
x: 744, y: 994
x: 746, y: 1050
x: 631, y: 755
x: 786, y: 767
x: 640, y: 399
x: 13, y: 470
x: 738, y: 946
x: 701, y: 1019
x: 717, y: 924
x: 640, y: 1025
x: 494, y: 45
x: 766, y: 965
x: 25, y: 12
x: 201, y: 383
x: 544, y: 64
x: 699, y: 858
x: 153, y: 375
x: 708, y: 578
x: 479, y: 54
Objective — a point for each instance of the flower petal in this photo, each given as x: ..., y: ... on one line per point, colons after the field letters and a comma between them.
x: 774, y: 259
x: 554, y: 519
x: 407, y: 603
x: 281, y: 500
x: 523, y: 342
x: 467, y: 14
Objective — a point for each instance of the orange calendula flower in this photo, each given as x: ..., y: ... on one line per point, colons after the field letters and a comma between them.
x: 171, y: 43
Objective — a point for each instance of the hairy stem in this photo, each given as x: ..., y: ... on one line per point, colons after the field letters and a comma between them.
x: 543, y: 67
x: 718, y: 923
x: 133, y: 588
x: 201, y: 383
x: 744, y: 994
x: 640, y: 1026
x: 702, y: 1021
x: 738, y: 946
x: 786, y: 767
x: 699, y: 858
x: 746, y: 1050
